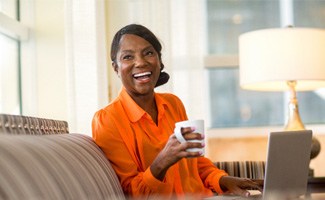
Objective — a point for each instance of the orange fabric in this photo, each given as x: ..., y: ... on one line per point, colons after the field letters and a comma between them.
x: 131, y: 141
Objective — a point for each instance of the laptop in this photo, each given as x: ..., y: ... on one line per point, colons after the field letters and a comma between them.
x: 287, y: 166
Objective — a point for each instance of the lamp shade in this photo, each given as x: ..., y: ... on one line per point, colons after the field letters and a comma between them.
x: 269, y: 58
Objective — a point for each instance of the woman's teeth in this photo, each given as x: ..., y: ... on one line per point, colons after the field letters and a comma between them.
x: 142, y: 74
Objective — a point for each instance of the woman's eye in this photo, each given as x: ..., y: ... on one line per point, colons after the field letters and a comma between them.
x: 150, y: 53
x: 127, y: 57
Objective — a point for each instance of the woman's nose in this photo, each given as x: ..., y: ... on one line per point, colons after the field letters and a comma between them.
x: 140, y: 61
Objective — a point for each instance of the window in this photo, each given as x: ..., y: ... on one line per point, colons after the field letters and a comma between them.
x: 231, y: 106
x: 9, y: 78
x: 11, y: 33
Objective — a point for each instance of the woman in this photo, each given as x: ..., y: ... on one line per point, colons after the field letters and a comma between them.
x: 135, y: 131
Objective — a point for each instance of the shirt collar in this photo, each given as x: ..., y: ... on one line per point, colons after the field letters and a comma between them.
x: 134, y: 111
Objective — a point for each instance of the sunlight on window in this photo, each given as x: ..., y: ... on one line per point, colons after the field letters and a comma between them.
x: 9, y: 89
x: 9, y: 61
x: 8, y: 7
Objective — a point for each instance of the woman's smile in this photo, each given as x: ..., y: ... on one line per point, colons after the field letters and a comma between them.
x: 142, y: 77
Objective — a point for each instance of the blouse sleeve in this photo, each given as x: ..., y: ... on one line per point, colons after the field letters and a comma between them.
x: 210, y: 174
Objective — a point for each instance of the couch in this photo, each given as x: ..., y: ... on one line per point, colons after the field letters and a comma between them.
x: 40, y: 159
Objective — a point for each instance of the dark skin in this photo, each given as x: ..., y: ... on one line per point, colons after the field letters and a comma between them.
x: 134, y: 57
x: 138, y: 66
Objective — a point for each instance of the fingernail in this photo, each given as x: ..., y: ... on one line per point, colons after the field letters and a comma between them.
x: 203, y: 144
x: 247, y: 194
x: 193, y: 128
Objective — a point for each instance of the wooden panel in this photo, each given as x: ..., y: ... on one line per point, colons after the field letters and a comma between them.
x: 237, y: 149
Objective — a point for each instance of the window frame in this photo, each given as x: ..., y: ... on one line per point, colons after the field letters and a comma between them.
x: 13, y: 28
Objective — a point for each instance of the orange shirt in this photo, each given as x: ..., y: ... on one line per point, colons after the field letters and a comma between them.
x: 131, y: 141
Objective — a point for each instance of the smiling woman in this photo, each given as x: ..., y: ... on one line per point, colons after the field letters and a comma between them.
x: 136, y: 130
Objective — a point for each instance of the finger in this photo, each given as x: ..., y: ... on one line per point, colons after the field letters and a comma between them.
x: 188, y: 145
x: 241, y: 192
x: 194, y: 145
x: 186, y: 130
x: 252, y: 185
x: 193, y: 136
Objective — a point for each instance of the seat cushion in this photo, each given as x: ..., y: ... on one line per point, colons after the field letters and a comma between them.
x: 64, y: 166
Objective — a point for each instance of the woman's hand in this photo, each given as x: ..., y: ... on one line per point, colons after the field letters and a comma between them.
x: 174, y: 151
x: 239, y: 186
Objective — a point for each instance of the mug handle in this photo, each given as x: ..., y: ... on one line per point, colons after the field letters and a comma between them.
x: 179, y: 135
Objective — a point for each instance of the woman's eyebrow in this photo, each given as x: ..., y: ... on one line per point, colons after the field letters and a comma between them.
x: 127, y: 51
x: 149, y: 47
x: 132, y: 51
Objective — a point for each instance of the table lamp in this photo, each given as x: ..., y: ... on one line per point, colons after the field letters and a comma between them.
x: 284, y: 59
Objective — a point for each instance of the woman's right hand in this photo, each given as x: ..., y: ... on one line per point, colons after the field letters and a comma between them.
x: 175, y: 151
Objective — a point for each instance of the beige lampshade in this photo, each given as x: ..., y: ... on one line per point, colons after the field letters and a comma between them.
x: 269, y: 58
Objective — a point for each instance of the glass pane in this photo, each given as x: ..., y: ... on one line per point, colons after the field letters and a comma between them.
x: 311, y: 107
x: 227, y: 19
x: 309, y: 13
x: 9, y: 8
x: 234, y: 107
x: 9, y: 88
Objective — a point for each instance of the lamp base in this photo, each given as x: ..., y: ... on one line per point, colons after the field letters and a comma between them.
x: 294, y: 123
x: 315, y: 150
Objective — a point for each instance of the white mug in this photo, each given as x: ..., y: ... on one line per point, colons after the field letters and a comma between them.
x: 199, y: 128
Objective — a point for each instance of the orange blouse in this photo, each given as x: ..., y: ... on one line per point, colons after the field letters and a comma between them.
x: 131, y: 141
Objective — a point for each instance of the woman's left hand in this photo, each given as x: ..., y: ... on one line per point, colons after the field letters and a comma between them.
x: 239, y: 186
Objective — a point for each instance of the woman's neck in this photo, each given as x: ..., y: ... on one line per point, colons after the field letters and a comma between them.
x: 148, y: 104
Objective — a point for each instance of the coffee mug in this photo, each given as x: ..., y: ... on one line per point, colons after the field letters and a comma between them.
x: 199, y: 129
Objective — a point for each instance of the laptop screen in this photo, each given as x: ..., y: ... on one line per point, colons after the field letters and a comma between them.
x: 287, y: 164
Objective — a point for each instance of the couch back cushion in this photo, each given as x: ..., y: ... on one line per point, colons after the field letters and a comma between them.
x: 63, y: 166
x: 243, y: 169
x: 26, y: 125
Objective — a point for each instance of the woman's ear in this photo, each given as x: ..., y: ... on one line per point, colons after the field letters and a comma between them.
x: 115, y: 67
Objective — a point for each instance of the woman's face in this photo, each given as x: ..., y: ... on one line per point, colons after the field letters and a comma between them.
x: 137, y: 64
